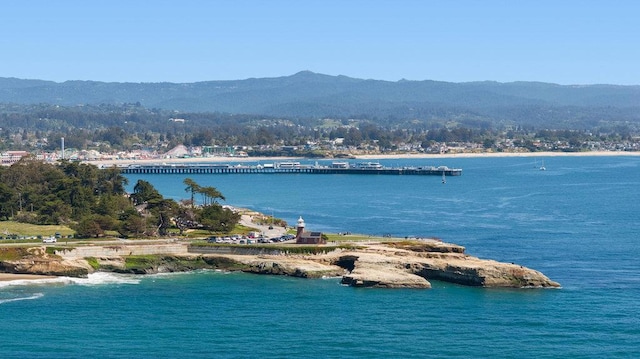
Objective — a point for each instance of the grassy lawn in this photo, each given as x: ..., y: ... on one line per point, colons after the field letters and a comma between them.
x: 334, y: 237
x: 25, y: 229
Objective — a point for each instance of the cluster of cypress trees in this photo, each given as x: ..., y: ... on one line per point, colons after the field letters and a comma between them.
x: 94, y: 201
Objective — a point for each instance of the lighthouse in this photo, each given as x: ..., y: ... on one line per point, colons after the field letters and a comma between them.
x: 300, y: 228
x: 304, y: 237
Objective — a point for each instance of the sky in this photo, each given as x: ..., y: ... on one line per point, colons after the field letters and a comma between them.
x: 561, y: 41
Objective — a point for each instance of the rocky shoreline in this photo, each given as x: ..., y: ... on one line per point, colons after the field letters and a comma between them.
x: 402, y: 264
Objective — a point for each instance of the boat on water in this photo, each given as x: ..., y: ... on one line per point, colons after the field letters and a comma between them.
x: 542, y: 167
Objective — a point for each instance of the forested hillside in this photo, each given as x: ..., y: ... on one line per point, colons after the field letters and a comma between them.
x: 311, y: 95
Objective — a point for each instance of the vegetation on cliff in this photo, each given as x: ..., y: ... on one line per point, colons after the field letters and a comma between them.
x: 93, y: 201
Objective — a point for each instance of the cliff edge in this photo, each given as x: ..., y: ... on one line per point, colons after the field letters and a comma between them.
x: 403, y: 264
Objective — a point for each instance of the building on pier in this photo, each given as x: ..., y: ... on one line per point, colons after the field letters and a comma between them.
x: 288, y: 167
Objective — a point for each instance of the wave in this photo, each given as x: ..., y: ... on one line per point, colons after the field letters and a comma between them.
x: 26, y: 282
x: 31, y: 297
x: 93, y: 279
x: 103, y: 278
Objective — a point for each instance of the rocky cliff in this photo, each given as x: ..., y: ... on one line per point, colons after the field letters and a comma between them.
x: 399, y: 266
x: 407, y: 264
x: 36, y: 260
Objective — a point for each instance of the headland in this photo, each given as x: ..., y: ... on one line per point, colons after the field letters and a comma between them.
x: 394, y: 263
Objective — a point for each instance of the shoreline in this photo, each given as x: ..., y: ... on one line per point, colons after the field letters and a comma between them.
x: 364, y: 157
x: 395, y: 264
x: 9, y: 277
x: 502, y: 154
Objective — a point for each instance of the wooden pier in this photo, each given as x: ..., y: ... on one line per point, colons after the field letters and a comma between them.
x: 276, y: 169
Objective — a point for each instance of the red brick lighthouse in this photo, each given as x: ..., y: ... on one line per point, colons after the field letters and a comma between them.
x: 300, y: 228
x: 303, y: 237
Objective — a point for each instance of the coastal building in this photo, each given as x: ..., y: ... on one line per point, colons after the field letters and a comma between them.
x: 304, y: 237
x: 10, y: 157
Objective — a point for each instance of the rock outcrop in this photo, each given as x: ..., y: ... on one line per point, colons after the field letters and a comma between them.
x: 406, y: 264
x: 448, y: 263
x: 36, y: 260
x: 368, y: 274
x: 293, y: 267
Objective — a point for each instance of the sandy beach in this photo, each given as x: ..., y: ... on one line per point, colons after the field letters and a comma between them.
x: 501, y: 154
x: 5, y: 277
x: 107, y: 163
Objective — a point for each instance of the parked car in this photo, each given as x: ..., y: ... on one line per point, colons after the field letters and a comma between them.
x: 51, y: 239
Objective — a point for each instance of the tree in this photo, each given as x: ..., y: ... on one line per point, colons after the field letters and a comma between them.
x: 111, y: 181
x: 162, y: 211
x: 88, y: 227
x: 7, y: 201
x: 144, y: 192
x: 218, y: 219
x: 132, y: 224
x: 210, y: 195
x: 95, y: 225
x: 192, y: 187
x: 112, y: 205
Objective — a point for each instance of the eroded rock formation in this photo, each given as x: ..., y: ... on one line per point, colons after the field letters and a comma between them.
x: 36, y: 260
x: 407, y: 264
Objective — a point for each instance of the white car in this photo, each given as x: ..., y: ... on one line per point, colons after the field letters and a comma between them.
x: 51, y: 239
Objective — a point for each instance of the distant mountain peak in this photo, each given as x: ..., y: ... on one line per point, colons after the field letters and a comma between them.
x: 304, y: 73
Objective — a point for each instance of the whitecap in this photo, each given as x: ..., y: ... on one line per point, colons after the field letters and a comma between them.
x: 93, y: 279
x: 31, y: 297
x: 103, y: 278
x: 26, y: 282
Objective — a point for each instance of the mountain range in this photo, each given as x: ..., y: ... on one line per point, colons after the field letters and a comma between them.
x: 308, y: 94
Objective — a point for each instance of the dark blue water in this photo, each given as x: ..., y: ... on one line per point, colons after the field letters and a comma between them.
x: 575, y: 222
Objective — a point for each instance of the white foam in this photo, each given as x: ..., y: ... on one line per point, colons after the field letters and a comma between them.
x: 32, y: 297
x: 104, y: 278
x: 25, y: 282
x: 93, y: 279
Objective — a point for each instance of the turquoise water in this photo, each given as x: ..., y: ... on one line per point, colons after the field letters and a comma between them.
x: 576, y: 222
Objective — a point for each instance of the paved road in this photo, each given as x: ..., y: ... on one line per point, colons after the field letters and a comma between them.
x: 245, y: 220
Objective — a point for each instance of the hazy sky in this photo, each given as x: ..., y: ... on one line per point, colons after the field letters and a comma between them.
x: 560, y: 41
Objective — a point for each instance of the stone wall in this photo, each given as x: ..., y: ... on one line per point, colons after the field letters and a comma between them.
x: 122, y: 250
x: 248, y: 250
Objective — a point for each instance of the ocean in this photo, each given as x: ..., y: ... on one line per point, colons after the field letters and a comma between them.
x: 577, y: 222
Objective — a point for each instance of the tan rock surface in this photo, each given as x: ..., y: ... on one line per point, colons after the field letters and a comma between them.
x: 39, y: 262
x: 389, y: 265
x: 453, y: 267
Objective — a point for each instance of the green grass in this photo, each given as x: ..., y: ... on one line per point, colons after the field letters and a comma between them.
x: 93, y: 262
x: 12, y: 253
x: 288, y: 248
x: 26, y: 229
x: 334, y: 237
x: 141, y: 261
